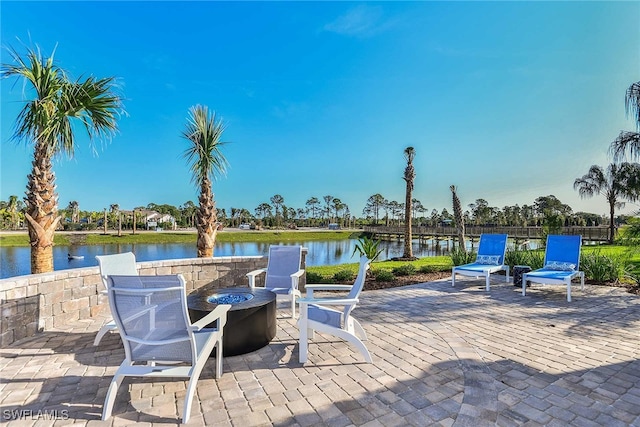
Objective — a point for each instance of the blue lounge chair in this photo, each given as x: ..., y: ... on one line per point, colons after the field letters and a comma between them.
x: 561, y: 264
x: 490, y: 259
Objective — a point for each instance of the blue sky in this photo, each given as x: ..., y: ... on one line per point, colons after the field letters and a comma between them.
x: 507, y: 100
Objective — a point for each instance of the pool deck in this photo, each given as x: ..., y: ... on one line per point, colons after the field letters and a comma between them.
x: 442, y: 356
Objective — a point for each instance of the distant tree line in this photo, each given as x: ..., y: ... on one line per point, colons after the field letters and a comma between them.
x: 317, y: 212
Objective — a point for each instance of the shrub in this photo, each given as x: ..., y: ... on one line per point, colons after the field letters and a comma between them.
x: 404, y: 270
x: 532, y: 258
x: 460, y: 257
x: 429, y: 268
x: 604, y: 268
x: 383, y: 276
x: 313, y: 277
x: 343, y: 276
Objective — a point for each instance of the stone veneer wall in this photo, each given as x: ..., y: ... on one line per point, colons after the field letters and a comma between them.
x: 40, y: 302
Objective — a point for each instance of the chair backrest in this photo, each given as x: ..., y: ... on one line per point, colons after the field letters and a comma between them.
x: 490, y: 247
x: 121, y: 264
x: 152, y: 317
x: 358, y: 284
x: 283, y: 262
x: 563, y: 250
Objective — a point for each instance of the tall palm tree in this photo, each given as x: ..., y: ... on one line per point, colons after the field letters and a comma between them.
x: 12, y: 208
x: 46, y: 121
x: 74, y: 209
x: 629, y: 141
x: 206, y: 162
x: 459, y: 218
x: 621, y: 181
x: 409, y: 177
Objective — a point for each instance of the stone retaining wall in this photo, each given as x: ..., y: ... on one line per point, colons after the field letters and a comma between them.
x: 40, y: 302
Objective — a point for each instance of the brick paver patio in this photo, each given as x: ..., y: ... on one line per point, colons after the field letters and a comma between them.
x: 442, y: 356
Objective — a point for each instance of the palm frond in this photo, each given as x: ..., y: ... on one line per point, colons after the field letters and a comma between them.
x: 204, y: 155
x: 46, y: 119
x: 632, y: 102
x: 626, y: 144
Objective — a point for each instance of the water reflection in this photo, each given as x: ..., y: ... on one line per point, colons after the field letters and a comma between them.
x: 15, y: 261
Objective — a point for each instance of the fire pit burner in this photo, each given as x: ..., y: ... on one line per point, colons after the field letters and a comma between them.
x: 229, y: 298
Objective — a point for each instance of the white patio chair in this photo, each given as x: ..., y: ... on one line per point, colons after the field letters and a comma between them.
x: 283, y: 273
x: 159, y: 339
x: 490, y: 259
x: 315, y: 316
x: 122, y: 264
x: 561, y: 264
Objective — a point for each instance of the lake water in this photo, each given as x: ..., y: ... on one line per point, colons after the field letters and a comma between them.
x: 15, y: 261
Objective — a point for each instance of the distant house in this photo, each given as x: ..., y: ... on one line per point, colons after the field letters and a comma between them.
x: 154, y: 219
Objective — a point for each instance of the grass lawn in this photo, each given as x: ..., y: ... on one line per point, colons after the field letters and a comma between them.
x: 64, y: 239
x: 437, y: 263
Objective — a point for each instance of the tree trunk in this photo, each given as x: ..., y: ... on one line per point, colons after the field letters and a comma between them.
x: 42, y: 210
x: 206, y: 221
x: 408, y: 237
x: 612, y: 226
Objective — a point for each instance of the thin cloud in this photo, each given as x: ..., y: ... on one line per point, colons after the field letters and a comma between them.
x: 359, y: 21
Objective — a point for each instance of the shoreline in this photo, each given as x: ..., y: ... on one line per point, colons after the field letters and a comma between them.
x: 20, y: 238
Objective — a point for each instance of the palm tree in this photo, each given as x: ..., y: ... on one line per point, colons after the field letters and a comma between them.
x: 46, y: 121
x: 621, y: 181
x: 409, y: 176
x: 206, y: 162
x: 629, y: 141
x: 12, y: 208
x: 459, y: 218
x: 74, y: 209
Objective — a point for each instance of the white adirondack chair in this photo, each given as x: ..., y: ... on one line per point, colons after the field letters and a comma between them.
x: 283, y: 273
x: 122, y: 264
x: 316, y: 316
x: 159, y: 339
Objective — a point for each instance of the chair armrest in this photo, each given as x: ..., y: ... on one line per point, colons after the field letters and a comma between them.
x: 252, y: 276
x: 220, y: 312
x: 328, y: 301
x: 298, y: 273
x: 295, y: 279
x: 328, y: 287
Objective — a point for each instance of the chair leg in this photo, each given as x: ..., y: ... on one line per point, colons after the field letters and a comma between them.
x: 219, y: 358
x: 188, y: 398
x: 453, y: 278
x: 487, y: 285
x: 111, y: 396
x: 293, y: 305
x: 110, y: 326
x: 569, y: 291
x: 304, y: 334
x: 345, y: 335
x: 358, y: 329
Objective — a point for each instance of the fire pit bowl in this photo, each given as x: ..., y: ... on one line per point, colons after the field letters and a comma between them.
x: 251, y: 320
